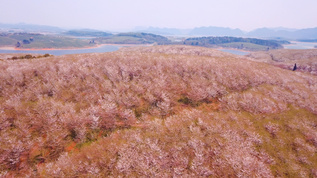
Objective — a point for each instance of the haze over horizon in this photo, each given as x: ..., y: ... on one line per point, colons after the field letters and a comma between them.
x: 246, y: 15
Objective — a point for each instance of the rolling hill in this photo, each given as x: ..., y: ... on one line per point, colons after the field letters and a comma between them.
x: 87, y: 33
x: 133, y: 38
x: 38, y: 41
x: 250, y: 44
x: 161, y: 111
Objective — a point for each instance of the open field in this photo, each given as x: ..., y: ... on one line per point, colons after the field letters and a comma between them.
x: 161, y: 111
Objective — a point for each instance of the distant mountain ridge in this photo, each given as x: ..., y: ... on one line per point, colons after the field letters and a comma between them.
x: 269, y: 33
x: 163, y: 31
x: 216, y: 31
x: 198, y: 31
x: 308, y: 33
x: 272, y: 33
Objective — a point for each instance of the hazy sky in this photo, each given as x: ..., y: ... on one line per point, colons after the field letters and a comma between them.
x: 127, y: 14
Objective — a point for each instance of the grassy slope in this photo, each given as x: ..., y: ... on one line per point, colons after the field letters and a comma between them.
x: 306, y: 60
x: 157, y: 111
x: 42, y: 41
x: 133, y: 38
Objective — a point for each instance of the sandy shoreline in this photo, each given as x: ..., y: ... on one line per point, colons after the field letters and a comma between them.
x: 72, y: 48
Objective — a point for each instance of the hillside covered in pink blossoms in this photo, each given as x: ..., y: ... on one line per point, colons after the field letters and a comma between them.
x: 161, y: 111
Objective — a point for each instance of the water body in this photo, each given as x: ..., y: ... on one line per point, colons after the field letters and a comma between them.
x: 58, y: 52
x: 232, y: 51
x: 300, y: 45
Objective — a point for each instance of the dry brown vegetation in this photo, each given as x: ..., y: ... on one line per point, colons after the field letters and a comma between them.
x: 306, y: 60
x: 156, y: 111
